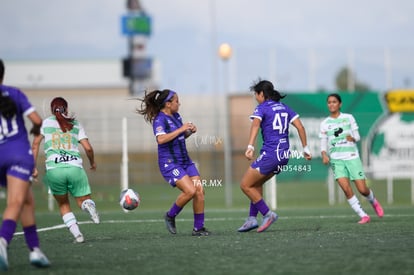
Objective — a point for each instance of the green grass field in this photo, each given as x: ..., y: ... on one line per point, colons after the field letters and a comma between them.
x: 310, y: 236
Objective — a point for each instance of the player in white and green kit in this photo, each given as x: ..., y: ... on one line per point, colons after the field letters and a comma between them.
x: 339, y: 134
x: 64, y: 170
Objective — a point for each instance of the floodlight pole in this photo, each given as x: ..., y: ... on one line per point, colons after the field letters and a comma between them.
x: 225, y: 52
x: 137, y: 47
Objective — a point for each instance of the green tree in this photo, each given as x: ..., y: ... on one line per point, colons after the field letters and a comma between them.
x: 342, y: 78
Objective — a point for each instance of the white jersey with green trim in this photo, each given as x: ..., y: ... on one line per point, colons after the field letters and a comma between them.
x: 61, y: 149
x: 335, y: 131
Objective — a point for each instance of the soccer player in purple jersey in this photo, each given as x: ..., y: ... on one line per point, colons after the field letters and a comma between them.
x: 273, y: 118
x: 161, y: 109
x: 16, y: 167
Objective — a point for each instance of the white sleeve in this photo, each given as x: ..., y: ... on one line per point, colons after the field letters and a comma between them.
x: 354, y: 124
x: 81, y: 133
x: 355, y: 135
x: 324, y: 144
x: 323, y: 137
x: 354, y: 129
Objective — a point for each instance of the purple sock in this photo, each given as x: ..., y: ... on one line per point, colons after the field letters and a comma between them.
x: 198, y: 221
x: 32, y: 239
x: 174, y: 210
x: 253, y: 210
x: 7, y: 230
x: 262, y: 207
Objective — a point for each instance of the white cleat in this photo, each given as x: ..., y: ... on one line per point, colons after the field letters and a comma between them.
x: 38, y: 259
x: 79, y: 239
x: 4, y: 264
x: 91, y: 209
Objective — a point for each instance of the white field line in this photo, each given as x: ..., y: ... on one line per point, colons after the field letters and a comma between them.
x: 60, y: 226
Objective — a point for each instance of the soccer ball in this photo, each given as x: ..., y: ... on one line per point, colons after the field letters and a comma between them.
x: 129, y: 199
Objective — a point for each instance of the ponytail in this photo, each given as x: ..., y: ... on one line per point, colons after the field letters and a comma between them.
x: 59, y: 108
x: 8, y: 107
x: 268, y: 90
x: 153, y: 102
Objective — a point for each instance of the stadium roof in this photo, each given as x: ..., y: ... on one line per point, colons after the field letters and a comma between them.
x: 65, y: 74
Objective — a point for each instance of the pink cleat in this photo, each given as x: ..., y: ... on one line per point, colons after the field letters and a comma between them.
x: 378, y: 208
x: 365, y: 219
x: 268, y: 219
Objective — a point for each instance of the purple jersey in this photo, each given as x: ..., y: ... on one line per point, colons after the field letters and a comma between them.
x: 174, y: 151
x: 15, y: 150
x: 14, y: 129
x: 275, y: 119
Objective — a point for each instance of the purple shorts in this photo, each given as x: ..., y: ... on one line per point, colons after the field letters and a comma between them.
x: 16, y: 160
x: 174, y: 172
x: 269, y: 162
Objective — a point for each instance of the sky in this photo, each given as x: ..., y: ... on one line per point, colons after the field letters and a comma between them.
x: 300, y: 45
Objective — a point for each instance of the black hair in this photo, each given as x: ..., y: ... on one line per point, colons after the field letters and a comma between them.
x: 335, y: 95
x: 153, y: 102
x: 8, y: 107
x: 268, y: 90
x: 1, y: 70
